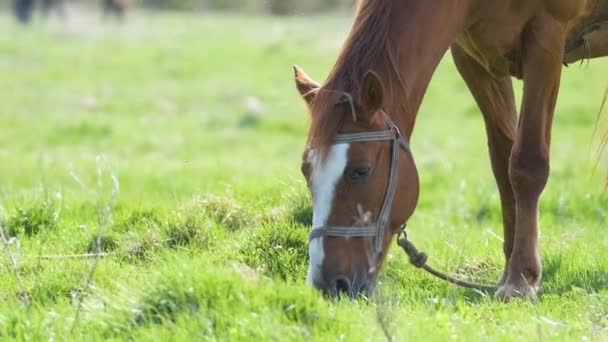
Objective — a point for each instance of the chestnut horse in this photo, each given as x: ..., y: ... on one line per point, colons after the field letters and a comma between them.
x: 357, y: 163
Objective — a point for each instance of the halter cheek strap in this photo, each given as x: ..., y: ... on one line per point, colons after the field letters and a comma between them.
x: 375, y: 231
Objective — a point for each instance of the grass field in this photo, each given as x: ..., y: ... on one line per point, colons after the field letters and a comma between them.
x: 172, y: 144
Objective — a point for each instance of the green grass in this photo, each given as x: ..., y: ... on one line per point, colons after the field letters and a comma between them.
x: 206, y: 223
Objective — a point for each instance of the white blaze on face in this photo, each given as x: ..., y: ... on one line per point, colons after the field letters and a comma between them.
x: 324, y: 177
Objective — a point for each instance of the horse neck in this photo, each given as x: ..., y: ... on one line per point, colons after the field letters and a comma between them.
x: 420, y: 33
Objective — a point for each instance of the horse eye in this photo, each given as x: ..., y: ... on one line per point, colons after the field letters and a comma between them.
x: 358, y: 173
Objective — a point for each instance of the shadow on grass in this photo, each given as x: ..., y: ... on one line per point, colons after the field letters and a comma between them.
x: 300, y: 208
x: 561, y: 277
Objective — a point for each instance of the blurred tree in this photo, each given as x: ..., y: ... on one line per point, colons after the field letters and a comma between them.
x: 327, y: 5
x: 278, y: 7
x: 114, y: 8
x: 236, y: 5
x: 57, y: 6
x: 172, y: 4
x: 281, y: 7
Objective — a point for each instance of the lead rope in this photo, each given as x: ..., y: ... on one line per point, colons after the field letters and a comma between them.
x: 419, y: 260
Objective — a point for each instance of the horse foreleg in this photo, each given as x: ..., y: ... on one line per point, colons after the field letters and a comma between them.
x: 529, y: 164
x: 496, y: 100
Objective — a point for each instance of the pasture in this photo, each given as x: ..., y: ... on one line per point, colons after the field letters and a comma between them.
x: 171, y: 144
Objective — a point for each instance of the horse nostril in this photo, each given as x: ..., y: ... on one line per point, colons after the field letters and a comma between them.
x: 342, y: 285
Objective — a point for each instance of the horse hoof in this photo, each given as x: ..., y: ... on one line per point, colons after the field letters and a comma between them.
x: 512, y: 291
x: 503, y: 280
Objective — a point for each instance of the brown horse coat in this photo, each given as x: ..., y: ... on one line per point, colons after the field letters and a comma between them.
x: 588, y: 38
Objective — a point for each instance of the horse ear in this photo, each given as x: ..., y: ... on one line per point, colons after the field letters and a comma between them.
x: 371, y: 96
x: 306, y: 85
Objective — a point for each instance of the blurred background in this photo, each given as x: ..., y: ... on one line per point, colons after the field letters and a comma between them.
x: 23, y: 8
x: 179, y: 95
x: 169, y: 91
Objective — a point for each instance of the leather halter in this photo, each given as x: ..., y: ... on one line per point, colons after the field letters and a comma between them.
x: 374, y: 231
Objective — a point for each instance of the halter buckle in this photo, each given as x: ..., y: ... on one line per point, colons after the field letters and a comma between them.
x: 397, y: 132
x: 401, y: 232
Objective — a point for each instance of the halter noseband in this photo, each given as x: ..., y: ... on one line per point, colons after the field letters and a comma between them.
x: 375, y: 231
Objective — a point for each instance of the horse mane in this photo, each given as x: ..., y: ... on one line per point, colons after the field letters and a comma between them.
x: 368, y: 47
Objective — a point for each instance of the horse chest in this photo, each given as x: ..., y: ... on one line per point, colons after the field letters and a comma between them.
x: 495, y: 43
x: 495, y: 40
